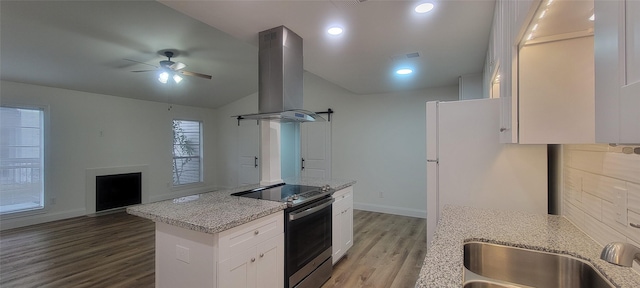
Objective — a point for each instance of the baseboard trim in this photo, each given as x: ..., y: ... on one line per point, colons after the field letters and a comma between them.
x: 40, y: 218
x: 390, y: 210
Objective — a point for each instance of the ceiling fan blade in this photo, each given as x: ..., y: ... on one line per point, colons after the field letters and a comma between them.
x: 144, y: 70
x: 178, y: 66
x: 140, y: 62
x: 189, y: 73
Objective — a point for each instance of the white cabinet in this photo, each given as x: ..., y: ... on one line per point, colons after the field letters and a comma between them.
x: 342, y: 229
x: 252, y: 255
x: 249, y: 255
x: 501, y: 74
x: 556, y: 92
x: 617, y: 71
x: 258, y: 266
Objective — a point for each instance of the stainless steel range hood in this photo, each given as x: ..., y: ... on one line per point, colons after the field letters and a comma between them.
x: 280, y: 69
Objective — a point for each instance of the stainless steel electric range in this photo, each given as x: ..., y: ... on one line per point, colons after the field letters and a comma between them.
x: 308, y: 261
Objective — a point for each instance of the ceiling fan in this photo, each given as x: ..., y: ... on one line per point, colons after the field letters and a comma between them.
x: 169, y: 68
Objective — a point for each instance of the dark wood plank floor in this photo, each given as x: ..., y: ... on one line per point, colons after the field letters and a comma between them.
x: 117, y: 250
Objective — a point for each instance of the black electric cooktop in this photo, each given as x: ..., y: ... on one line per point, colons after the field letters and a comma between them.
x: 291, y: 194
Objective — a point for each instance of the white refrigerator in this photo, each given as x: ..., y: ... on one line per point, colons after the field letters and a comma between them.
x: 468, y: 166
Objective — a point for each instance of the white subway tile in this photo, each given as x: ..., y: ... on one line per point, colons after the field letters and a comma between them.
x: 573, y: 185
x: 633, y: 197
x: 587, y: 161
x: 609, y: 217
x: 592, y: 205
x: 602, y: 233
x: 622, y: 166
x: 602, y: 186
x: 574, y: 214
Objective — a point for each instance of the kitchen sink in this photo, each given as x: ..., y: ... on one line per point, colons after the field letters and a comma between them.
x: 518, y: 267
x: 484, y: 284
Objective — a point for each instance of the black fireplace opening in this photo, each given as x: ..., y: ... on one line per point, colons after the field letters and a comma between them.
x: 119, y: 190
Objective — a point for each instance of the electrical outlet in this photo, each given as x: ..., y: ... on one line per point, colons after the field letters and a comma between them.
x: 620, y: 206
x: 182, y: 253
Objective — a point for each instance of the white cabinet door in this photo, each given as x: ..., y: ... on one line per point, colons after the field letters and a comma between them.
x: 630, y: 90
x: 617, y: 61
x: 336, y: 230
x: 342, y: 229
x: 239, y: 271
x: 270, y: 263
x: 248, y: 151
x: 316, y: 149
x: 347, y: 222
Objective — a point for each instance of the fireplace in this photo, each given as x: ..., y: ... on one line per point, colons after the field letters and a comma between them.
x: 119, y: 190
x: 95, y: 175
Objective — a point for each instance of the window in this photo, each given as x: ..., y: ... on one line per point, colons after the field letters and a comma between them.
x: 21, y: 159
x: 187, y: 152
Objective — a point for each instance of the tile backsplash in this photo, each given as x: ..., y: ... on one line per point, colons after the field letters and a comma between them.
x: 601, y: 191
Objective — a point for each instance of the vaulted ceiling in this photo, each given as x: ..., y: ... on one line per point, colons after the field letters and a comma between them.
x: 82, y: 45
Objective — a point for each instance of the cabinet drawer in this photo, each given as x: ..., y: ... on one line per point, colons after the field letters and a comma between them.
x: 338, y: 195
x: 240, y: 238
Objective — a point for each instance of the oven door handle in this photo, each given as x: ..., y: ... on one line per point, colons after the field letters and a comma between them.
x: 297, y: 215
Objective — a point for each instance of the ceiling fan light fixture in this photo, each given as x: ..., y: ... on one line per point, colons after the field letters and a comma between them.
x: 177, y: 78
x: 163, y: 77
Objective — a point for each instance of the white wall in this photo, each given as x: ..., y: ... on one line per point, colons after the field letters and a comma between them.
x: 378, y: 140
x: 89, y: 130
x: 593, y: 177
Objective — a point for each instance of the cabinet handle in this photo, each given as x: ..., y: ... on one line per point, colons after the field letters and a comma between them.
x: 503, y: 129
x: 253, y: 259
x: 255, y: 162
x: 302, y: 163
x: 256, y: 232
x: 634, y: 225
x: 261, y: 255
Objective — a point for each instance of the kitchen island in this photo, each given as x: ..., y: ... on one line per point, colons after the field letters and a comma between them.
x: 443, y: 264
x: 215, y: 239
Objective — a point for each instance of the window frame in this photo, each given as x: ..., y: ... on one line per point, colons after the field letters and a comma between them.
x: 200, y: 156
x: 48, y: 197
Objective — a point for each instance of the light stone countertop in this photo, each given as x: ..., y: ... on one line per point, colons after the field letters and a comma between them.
x: 217, y: 211
x: 443, y: 264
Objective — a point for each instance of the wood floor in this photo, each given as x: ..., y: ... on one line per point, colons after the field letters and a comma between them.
x: 117, y: 250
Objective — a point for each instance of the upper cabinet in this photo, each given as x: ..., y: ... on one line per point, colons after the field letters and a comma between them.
x: 567, y: 72
x: 617, y: 71
x: 556, y: 75
x: 500, y: 80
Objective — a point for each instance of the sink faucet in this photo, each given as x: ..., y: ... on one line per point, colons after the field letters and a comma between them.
x: 620, y: 253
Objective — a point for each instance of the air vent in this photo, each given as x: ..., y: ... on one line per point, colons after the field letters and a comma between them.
x: 401, y: 57
x: 351, y: 3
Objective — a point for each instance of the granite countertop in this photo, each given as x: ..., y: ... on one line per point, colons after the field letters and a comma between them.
x: 217, y: 211
x: 443, y: 264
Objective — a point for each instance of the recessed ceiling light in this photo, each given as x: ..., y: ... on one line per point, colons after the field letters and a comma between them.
x: 404, y: 71
x: 335, y: 30
x: 424, y: 7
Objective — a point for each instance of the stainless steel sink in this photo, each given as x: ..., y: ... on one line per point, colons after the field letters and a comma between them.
x: 517, y: 267
x: 484, y: 284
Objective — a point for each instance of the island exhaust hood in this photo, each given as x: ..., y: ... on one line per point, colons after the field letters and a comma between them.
x: 280, y: 78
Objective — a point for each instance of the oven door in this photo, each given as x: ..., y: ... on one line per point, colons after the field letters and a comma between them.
x: 308, y: 239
